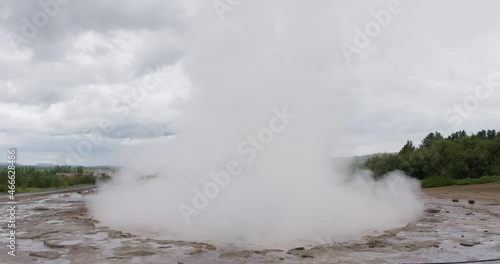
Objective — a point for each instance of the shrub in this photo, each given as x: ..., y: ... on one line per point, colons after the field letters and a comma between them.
x: 437, y: 181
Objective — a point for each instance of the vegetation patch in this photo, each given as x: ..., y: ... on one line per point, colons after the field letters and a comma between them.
x: 459, y: 159
x: 30, y: 178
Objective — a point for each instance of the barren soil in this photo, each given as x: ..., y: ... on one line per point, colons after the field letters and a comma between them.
x: 488, y: 193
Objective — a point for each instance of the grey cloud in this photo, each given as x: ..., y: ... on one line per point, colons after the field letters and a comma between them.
x: 424, y: 62
x: 139, y: 131
x: 50, y: 78
x: 94, y: 15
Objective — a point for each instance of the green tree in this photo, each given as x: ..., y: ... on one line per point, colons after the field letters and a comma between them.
x: 459, y: 156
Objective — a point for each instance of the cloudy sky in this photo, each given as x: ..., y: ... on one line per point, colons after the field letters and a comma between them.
x: 83, y: 81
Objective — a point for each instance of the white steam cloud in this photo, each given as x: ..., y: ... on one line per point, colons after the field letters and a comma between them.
x: 251, y: 160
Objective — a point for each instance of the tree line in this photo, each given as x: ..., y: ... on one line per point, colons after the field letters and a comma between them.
x: 457, y: 157
x: 32, y: 177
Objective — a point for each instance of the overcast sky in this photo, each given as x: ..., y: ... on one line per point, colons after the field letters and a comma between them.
x: 101, y: 76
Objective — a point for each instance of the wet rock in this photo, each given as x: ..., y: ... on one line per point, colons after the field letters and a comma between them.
x: 472, y: 202
x: 265, y: 251
x: 455, y: 200
x: 35, y: 235
x: 422, y: 244
x: 196, y: 251
x: 116, y: 234
x: 433, y: 210
x: 46, y: 254
x: 375, y: 243
x: 179, y: 243
x: 244, y: 254
x: 466, y: 244
x: 128, y: 251
x: 51, y: 244
x: 236, y: 254
x: 76, y: 250
x: 298, y: 251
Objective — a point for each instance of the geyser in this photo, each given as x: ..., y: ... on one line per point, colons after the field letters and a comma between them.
x: 236, y: 171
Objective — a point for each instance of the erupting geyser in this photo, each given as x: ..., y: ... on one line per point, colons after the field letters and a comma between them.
x: 251, y: 159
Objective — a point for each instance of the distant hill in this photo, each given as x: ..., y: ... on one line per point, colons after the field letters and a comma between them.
x: 49, y: 165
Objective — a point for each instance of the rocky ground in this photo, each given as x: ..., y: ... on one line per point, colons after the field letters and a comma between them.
x: 57, y: 229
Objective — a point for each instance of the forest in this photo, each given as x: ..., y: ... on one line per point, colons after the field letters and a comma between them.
x: 459, y: 158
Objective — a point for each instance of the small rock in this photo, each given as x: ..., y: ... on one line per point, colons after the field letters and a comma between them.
x: 469, y: 213
x: 455, y: 200
x: 433, y: 210
x: 447, y: 211
x: 126, y: 235
x: 197, y: 251
x: 472, y: 202
x: 486, y: 231
x: 376, y: 244
x: 45, y: 254
x: 299, y: 248
x: 51, y: 244
x: 464, y: 244
x: 282, y: 258
x: 306, y: 256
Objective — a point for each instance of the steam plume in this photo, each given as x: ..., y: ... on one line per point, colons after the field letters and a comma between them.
x: 263, y: 60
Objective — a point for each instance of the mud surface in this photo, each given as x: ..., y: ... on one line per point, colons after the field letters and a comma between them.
x: 57, y: 229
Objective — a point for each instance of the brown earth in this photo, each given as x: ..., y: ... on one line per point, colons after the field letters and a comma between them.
x: 487, y: 192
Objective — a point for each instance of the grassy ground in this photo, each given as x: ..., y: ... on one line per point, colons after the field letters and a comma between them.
x: 433, y: 182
